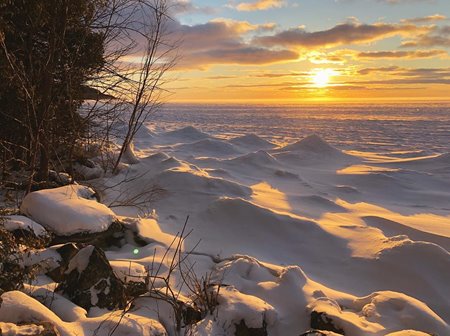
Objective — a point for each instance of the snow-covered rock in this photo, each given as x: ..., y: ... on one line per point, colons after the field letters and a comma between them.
x: 13, y: 223
x: 90, y: 281
x: 68, y: 210
x: 17, y: 307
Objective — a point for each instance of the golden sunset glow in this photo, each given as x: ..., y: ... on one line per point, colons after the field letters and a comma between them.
x: 322, y: 77
x: 288, y: 51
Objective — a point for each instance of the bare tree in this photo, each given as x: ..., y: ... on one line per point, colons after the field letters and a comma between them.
x: 145, y: 82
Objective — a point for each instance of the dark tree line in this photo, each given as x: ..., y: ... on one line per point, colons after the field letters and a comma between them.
x: 56, y: 53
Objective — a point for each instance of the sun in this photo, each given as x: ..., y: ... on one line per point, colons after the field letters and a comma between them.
x: 321, y: 78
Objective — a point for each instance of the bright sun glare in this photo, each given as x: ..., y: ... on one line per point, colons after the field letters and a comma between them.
x: 321, y: 78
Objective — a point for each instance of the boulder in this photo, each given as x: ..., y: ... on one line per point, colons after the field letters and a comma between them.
x: 26, y: 231
x: 90, y: 281
x: 243, y: 330
x: 68, y: 210
x: 315, y: 332
x: 67, y: 252
x: 113, y: 236
x: 322, y: 321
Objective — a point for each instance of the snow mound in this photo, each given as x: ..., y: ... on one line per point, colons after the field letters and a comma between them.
x: 236, y: 306
x: 251, y: 141
x: 391, y: 228
x: 185, y: 134
x: 173, y: 179
x: 68, y: 210
x: 13, y: 223
x: 209, y: 147
x: 250, y: 228
x: 18, y: 307
x: 312, y: 143
x: 380, y: 313
x: 315, y: 205
x: 260, y: 158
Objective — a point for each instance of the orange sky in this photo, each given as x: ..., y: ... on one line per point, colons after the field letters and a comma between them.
x: 302, y: 50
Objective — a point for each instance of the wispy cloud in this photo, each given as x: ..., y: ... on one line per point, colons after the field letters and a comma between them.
x: 426, y: 19
x: 416, y: 54
x: 186, y: 6
x: 258, y: 5
x: 437, y: 37
x: 399, y: 75
x: 342, y: 34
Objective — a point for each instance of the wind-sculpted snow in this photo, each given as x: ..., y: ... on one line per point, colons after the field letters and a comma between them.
x: 323, y: 210
x: 209, y: 147
x: 251, y: 142
x: 293, y: 232
x: 312, y: 143
x: 258, y: 159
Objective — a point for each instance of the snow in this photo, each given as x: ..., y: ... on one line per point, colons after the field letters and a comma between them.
x: 282, y: 230
x: 68, y: 210
x: 18, y: 307
x: 11, y: 329
x: 251, y: 142
x: 301, y: 227
x: 81, y: 260
x: 15, y: 222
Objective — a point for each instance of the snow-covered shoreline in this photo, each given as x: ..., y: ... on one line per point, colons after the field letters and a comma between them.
x: 289, y: 230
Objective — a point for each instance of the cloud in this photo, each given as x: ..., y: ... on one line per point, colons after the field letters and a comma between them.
x: 397, y: 2
x: 426, y: 19
x: 241, y: 54
x: 223, y: 41
x: 342, y: 34
x: 280, y: 75
x: 437, y: 37
x: 259, y: 5
x: 367, y: 71
x: 186, y: 6
x: 400, y: 75
x: 402, y: 54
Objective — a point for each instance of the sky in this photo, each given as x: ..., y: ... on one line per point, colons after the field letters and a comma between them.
x: 311, y: 50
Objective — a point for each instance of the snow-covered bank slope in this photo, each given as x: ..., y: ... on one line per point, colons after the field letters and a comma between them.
x: 298, y: 236
x: 367, y: 237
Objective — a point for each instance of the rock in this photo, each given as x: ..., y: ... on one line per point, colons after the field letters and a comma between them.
x: 315, y: 332
x: 90, y: 281
x: 26, y: 231
x: 135, y: 289
x: 11, y: 271
x: 113, y: 236
x: 191, y: 315
x: 67, y: 252
x: 243, y: 330
x: 87, y: 169
x: 29, y: 329
x: 61, y: 179
x: 322, y: 321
